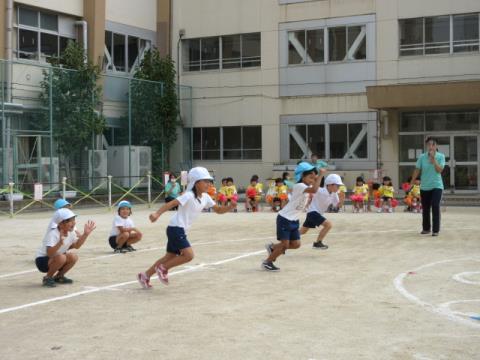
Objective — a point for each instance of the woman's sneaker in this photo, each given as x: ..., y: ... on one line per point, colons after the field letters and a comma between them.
x: 162, y: 274
x: 144, y: 280
x: 268, y: 265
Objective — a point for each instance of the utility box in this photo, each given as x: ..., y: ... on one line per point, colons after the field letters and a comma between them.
x: 140, y: 164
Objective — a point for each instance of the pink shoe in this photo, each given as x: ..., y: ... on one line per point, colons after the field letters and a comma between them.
x: 162, y: 274
x: 144, y: 280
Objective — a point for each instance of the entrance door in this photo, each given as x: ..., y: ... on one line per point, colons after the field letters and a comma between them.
x: 461, y: 162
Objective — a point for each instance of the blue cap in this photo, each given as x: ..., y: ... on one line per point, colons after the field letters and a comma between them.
x: 60, y: 203
x: 301, y: 168
x: 124, y: 203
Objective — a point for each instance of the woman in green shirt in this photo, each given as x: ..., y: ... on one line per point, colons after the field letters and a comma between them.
x: 430, y: 166
x: 172, y: 189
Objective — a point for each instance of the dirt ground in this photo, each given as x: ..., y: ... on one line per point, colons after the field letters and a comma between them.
x: 381, y: 291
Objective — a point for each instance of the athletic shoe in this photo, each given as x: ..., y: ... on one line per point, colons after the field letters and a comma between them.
x: 268, y: 265
x: 129, y: 248
x: 425, y: 232
x: 269, y: 248
x: 435, y: 234
x: 162, y: 274
x: 144, y: 280
x: 390, y: 210
x: 320, y: 245
x: 120, y: 251
x: 48, y: 282
x: 63, y: 280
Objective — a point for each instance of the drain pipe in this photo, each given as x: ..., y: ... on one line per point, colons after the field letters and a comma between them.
x: 83, y: 23
x: 8, y: 49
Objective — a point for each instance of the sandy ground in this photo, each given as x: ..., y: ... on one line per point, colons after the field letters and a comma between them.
x: 381, y: 291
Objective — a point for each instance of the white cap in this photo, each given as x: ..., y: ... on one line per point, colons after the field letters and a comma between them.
x: 333, y: 179
x: 196, y: 174
x: 62, y: 214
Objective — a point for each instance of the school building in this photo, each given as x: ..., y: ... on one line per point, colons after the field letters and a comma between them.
x: 359, y: 82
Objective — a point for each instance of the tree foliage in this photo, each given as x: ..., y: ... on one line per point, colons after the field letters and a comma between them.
x: 75, y: 96
x: 154, y: 107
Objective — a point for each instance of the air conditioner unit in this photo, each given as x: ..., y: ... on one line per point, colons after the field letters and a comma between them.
x: 118, y: 164
x: 8, y: 166
x: 50, y: 177
x: 97, y: 168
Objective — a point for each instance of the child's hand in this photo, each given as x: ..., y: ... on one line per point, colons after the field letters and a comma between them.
x: 89, y: 227
x: 322, y: 171
x: 153, y: 217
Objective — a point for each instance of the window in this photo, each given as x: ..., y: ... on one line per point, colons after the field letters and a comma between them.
x: 465, y: 33
x: 239, y: 143
x: 306, y: 46
x: 348, y: 141
x: 123, y: 53
x: 38, y: 35
x: 238, y: 51
x: 432, y: 35
x: 345, y: 43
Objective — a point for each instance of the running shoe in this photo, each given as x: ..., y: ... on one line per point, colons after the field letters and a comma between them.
x: 268, y: 265
x: 320, y: 245
x: 162, y: 274
x: 48, y: 282
x: 144, y: 280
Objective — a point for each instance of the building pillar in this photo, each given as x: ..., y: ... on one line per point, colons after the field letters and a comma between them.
x: 3, y: 32
x: 164, y: 22
x: 94, y: 15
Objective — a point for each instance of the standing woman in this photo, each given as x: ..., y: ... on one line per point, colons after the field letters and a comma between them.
x: 430, y: 165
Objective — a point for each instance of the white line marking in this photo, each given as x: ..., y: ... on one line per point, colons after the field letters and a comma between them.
x: 398, y: 283
x: 114, y: 286
x: 461, y: 277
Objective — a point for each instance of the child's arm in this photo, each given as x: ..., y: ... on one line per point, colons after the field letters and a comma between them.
x: 170, y: 205
x: 316, y: 185
x: 51, y: 250
x: 87, y: 230
x: 224, y: 209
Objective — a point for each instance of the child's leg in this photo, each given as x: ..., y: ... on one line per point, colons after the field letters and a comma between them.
x: 326, y: 227
x: 122, y: 238
x: 56, y: 263
x: 186, y: 255
x: 134, y: 238
x: 294, y: 244
x: 278, y: 249
x: 70, y: 261
x: 168, y: 256
x: 304, y: 230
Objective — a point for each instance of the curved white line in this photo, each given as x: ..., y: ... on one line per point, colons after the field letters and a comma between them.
x: 461, y: 277
x: 398, y: 283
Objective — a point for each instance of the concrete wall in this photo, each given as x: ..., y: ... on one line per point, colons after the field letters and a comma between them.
x: 71, y: 7
x: 138, y: 13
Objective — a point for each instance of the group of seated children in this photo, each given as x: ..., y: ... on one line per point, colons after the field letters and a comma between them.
x: 383, y: 195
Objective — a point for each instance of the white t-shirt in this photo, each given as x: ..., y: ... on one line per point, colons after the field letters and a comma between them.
x: 52, y: 238
x: 119, y: 221
x: 322, y: 200
x: 189, y: 209
x: 292, y: 210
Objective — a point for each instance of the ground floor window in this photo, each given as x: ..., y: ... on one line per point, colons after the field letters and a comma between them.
x: 227, y: 143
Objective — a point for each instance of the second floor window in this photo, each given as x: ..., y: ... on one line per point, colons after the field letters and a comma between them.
x: 444, y: 34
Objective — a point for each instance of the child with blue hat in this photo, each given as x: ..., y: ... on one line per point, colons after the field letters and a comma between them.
x: 124, y: 233
x: 288, y: 235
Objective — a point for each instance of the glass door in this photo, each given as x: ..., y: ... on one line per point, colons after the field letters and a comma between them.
x: 465, y: 162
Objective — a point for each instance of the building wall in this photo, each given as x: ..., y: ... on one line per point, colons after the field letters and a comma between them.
x: 139, y: 13
x: 70, y: 7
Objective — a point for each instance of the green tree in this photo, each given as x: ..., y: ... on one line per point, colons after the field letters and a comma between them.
x: 154, y: 107
x: 75, y: 97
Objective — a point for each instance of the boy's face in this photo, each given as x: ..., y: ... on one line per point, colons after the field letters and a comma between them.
x: 309, y: 179
x: 417, y: 181
x: 332, y: 188
x: 67, y: 225
x: 124, y: 212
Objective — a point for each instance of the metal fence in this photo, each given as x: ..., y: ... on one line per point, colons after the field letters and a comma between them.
x: 43, y: 140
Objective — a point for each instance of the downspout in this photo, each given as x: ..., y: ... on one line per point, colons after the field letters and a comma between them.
x: 84, y: 24
x: 6, y: 123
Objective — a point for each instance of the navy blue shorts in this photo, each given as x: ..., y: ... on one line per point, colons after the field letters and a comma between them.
x: 313, y: 220
x: 177, y: 240
x: 42, y: 263
x: 287, y: 229
x: 112, y: 240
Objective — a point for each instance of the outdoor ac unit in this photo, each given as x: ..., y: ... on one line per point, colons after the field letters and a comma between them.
x: 140, y: 165
x: 50, y: 178
x: 97, y: 168
x: 8, y: 166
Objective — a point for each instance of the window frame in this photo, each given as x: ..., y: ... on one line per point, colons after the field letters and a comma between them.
x: 187, y: 65
x: 109, y: 61
x: 242, y: 150
x: 452, y: 45
x: 38, y: 57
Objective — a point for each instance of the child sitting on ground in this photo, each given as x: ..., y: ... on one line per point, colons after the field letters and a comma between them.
x: 124, y: 233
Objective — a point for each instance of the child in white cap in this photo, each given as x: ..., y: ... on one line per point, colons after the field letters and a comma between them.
x: 190, y: 205
x: 54, y: 257
x: 323, y: 198
x: 288, y: 222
